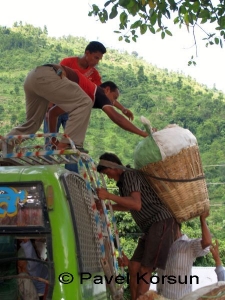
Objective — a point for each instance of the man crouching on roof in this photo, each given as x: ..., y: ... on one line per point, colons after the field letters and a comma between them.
x: 151, y: 215
x: 74, y: 94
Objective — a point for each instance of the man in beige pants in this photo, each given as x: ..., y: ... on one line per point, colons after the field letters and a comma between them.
x: 73, y: 93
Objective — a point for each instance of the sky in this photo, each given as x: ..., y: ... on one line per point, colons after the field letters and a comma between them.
x: 70, y: 17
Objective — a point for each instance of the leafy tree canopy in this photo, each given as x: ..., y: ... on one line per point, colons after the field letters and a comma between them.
x: 156, y: 15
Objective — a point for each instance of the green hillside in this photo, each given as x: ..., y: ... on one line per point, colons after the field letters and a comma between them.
x: 163, y: 97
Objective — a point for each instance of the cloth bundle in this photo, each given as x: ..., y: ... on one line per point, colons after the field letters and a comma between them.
x: 161, y: 144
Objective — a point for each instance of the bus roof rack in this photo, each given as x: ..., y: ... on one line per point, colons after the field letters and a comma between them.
x: 37, y: 149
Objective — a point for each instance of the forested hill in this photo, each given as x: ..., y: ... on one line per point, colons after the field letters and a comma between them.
x: 161, y: 96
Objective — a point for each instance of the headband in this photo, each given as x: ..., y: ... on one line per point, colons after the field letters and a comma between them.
x: 110, y: 164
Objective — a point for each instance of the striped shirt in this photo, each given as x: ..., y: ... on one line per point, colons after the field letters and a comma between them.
x: 152, y: 208
x: 176, y: 280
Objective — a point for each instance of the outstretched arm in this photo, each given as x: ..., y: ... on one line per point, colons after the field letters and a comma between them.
x: 206, y: 235
x: 122, y: 121
x: 214, y: 249
x: 220, y: 272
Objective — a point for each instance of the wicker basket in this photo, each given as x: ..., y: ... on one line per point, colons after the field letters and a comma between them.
x: 216, y: 294
x: 186, y: 200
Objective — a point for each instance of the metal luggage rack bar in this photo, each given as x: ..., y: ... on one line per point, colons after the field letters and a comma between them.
x: 37, y: 149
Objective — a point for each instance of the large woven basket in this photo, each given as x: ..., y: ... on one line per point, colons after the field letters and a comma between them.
x: 217, y: 293
x: 186, y: 200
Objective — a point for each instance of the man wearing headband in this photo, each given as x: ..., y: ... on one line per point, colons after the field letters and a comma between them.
x: 151, y: 215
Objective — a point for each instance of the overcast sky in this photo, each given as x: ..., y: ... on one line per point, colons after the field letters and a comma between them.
x: 71, y: 17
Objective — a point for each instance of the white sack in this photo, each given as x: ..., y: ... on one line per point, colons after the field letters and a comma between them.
x: 172, y: 140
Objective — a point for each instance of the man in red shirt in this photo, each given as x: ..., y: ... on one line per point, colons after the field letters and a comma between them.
x: 63, y: 87
x: 86, y: 65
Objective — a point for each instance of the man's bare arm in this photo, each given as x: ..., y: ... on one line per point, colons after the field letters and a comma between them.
x: 122, y: 122
x: 206, y: 235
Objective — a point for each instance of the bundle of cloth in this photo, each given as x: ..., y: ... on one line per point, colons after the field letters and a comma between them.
x: 161, y: 144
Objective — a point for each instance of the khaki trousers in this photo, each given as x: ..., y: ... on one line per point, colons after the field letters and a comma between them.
x: 42, y: 86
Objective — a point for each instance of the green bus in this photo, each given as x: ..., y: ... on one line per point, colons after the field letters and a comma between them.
x: 43, y: 202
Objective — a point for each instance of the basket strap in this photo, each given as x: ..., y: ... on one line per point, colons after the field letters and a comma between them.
x: 114, y: 165
x: 172, y: 179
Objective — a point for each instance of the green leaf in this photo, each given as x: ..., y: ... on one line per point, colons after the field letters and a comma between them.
x: 95, y: 8
x: 173, y: 5
x: 124, y: 3
x: 222, y: 22
x: 143, y: 16
x: 168, y: 32
x: 130, y: 4
x: 102, y: 18
x: 120, y: 38
x: 136, y: 24
x: 113, y: 13
x: 186, y: 18
x: 168, y: 13
x: 143, y: 28
x: 152, y: 29
x: 159, y: 19
x: 134, y: 9
x: 182, y: 10
x: 107, y: 3
x: 153, y: 19
x: 216, y: 41
x: 204, y: 14
x: 196, y: 6
x: 105, y: 14
x: 191, y: 18
x: 176, y: 20
x: 163, y: 35
x: 204, y: 21
x: 213, y: 19
x: 123, y: 18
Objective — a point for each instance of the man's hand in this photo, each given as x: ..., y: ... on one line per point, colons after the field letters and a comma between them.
x: 128, y: 114
x: 204, y: 215
x: 123, y: 261
x: 103, y: 194
x: 99, y: 205
x: 214, y: 249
